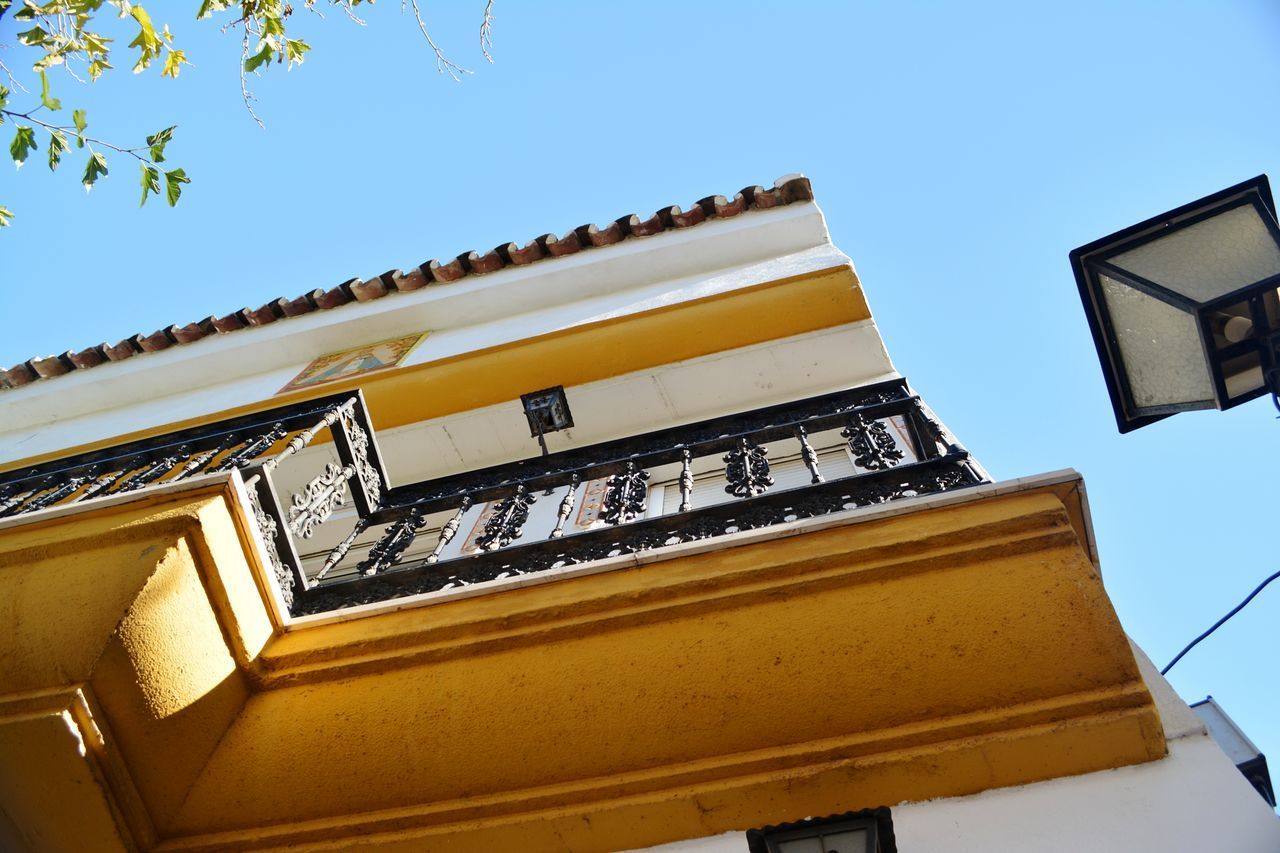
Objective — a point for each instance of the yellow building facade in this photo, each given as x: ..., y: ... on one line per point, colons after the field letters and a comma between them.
x: 735, y: 575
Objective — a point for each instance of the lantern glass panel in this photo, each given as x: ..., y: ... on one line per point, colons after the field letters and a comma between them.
x: 1160, y: 348
x: 1211, y: 258
x: 847, y: 841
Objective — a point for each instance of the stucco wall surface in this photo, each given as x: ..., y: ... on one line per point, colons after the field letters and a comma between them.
x: 1193, y: 800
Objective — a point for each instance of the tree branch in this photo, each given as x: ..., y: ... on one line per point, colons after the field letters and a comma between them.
x: 486, y: 31
x: 244, y: 83
x: 132, y: 152
x: 443, y: 64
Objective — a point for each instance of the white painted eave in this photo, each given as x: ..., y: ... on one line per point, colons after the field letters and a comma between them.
x: 224, y: 371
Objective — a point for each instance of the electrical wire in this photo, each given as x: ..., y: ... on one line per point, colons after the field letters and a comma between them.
x: 1220, y: 622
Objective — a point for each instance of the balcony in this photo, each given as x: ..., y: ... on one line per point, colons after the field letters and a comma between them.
x: 345, y: 536
x: 148, y: 660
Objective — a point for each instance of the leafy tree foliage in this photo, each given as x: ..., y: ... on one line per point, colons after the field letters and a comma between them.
x: 68, y: 35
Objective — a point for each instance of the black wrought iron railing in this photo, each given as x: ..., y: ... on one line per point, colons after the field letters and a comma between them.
x: 329, y: 550
x: 258, y: 445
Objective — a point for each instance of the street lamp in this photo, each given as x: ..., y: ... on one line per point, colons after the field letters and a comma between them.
x: 1185, y: 308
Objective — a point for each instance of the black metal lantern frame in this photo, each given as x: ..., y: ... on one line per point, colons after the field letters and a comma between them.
x: 1257, y: 299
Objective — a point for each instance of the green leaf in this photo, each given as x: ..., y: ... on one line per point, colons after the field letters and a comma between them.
x: 158, y: 141
x: 51, y: 103
x: 95, y: 43
x: 33, y: 37
x: 147, y: 41
x: 4, y: 96
x: 208, y: 7
x: 173, y: 183
x: 24, y: 142
x: 94, y: 169
x: 6, y: 216
x: 97, y: 67
x: 57, y: 144
x: 272, y: 25
x: 150, y: 182
x: 77, y: 116
x: 294, y: 49
x: 260, y: 58
x: 173, y: 63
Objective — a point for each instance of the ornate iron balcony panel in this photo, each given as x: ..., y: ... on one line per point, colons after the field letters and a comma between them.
x: 688, y: 483
x: 878, y: 467
x: 255, y: 444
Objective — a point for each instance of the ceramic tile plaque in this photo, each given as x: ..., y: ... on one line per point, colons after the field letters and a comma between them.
x: 357, y: 361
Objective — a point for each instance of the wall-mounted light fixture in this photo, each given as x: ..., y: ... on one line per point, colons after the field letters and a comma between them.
x: 1184, y: 307
x: 547, y: 411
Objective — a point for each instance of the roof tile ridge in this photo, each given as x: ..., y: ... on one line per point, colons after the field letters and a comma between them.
x: 787, y: 189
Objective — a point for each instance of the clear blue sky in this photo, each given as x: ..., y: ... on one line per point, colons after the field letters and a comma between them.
x: 958, y: 150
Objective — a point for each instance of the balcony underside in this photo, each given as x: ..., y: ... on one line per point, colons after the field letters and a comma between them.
x: 839, y: 663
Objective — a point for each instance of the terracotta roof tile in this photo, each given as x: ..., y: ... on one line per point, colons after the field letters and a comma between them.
x: 331, y: 298
x: 569, y: 244
x: 786, y: 190
x: 188, y: 333
x: 86, y: 358
x: 451, y: 271
x: 637, y: 227
x: 479, y: 264
x: 19, y: 374
x: 153, y: 342
x: 304, y: 304
x: 405, y: 282
x: 47, y: 367
x: 597, y: 236
x: 366, y: 291
x: 257, y: 316
x: 119, y: 352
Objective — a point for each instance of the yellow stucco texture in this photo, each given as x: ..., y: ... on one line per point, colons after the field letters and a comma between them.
x: 980, y: 625
x: 43, y: 772
x: 616, y: 346
x: 112, y: 634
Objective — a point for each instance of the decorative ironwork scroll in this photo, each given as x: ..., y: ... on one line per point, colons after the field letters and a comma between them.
x: 267, y: 529
x: 199, y: 460
x: 626, y: 495
x: 101, y: 484
x: 365, y: 468
x: 68, y: 487
x: 398, y: 536
x: 747, y: 470
x: 251, y: 448
x: 318, y: 499
x: 507, y: 522
x: 777, y: 507
x: 15, y: 497
x: 873, y: 448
